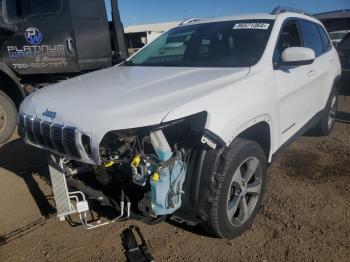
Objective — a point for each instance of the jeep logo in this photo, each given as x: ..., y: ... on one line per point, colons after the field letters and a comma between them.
x: 50, y: 114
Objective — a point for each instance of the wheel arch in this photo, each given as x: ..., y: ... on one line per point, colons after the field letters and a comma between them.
x: 260, y: 133
x: 10, y: 85
x: 204, y: 165
x: 260, y: 130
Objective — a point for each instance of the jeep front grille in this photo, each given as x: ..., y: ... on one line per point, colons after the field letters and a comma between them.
x: 61, y: 139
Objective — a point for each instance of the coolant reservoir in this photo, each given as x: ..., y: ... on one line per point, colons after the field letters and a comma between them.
x: 161, y: 145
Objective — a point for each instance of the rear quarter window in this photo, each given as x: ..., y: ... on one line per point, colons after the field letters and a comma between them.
x: 327, y: 45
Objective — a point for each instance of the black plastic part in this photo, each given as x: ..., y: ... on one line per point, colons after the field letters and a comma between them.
x: 37, y: 131
x: 203, y: 164
x: 86, y: 141
x: 133, y: 251
x: 29, y: 128
x: 46, y: 132
x: 69, y: 138
x: 93, y: 194
x: 57, y: 138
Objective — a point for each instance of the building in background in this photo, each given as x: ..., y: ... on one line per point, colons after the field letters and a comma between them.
x: 139, y: 35
x: 337, y: 23
x: 338, y: 26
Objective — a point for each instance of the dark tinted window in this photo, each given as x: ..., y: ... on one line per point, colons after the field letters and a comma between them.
x: 20, y: 9
x: 311, y: 36
x: 345, y: 43
x: 91, y: 9
x: 325, y: 39
x: 220, y: 44
x: 289, y: 37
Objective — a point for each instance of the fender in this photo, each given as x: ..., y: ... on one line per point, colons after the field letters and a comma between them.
x: 203, y: 164
x: 262, y: 118
x: 10, y: 74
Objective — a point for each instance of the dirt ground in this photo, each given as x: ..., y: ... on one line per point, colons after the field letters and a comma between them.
x: 305, y: 214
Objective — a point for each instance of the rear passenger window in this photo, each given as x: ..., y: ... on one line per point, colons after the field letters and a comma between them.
x: 327, y: 45
x: 311, y: 36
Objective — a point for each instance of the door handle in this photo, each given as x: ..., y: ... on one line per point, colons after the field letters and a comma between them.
x: 70, y: 45
x: 311, y: 73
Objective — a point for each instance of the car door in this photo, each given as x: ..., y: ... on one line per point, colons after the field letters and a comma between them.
x: 295, y: 84
x: 38, y: 42
x: 92, y: 40
x: 323, y: 66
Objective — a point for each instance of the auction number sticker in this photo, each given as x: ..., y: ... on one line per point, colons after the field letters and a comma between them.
x: 261, y: 26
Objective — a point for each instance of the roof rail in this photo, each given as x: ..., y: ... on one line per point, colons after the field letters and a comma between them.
x: 191, y: 20
x: 283, y: 9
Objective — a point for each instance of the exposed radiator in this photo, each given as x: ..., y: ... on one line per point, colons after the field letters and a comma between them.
x: 60, y: 191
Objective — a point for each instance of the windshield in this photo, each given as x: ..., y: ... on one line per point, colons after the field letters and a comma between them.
x: 219, y: 44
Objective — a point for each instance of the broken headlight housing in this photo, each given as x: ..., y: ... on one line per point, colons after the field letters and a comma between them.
x: 121, y: 145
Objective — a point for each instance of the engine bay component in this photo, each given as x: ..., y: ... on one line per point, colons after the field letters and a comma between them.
x: 165, y: 173
x: 166, y: 186
x: 75, y: 202
x: 141, y: 169
x: 141, y: 173
x: 161, y: 145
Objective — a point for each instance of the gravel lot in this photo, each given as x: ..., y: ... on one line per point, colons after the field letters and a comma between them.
x: 305, y: 213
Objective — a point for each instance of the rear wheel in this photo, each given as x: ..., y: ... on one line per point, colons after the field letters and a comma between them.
x: 238, y: 189
x: 8, y: 114
x: 325, y: 126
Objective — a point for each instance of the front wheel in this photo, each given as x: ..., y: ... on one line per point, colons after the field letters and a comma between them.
x: 8, y: 114
x: 238, y: 189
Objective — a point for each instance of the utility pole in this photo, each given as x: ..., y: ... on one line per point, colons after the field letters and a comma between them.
x: 119, y: 42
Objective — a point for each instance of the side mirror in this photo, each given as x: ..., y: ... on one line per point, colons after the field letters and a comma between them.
x: 297, y: 56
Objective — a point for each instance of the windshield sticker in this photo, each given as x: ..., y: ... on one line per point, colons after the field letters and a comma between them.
x: 261, y: 26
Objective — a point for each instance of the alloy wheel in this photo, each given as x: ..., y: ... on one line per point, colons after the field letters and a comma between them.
x: 332, y: 112
x: 244, y: 191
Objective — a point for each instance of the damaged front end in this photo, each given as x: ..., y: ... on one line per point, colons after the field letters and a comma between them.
x: 142, y: 172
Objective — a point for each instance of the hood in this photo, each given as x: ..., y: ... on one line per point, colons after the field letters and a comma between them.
x: 125, y: 97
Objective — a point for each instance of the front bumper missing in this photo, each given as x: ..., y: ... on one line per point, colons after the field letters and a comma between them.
x: 69, y: 203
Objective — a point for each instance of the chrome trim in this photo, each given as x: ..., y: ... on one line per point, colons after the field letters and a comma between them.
x: 55, y: 149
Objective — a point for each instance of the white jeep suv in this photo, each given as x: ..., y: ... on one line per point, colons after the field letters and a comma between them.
x: 185, y: 128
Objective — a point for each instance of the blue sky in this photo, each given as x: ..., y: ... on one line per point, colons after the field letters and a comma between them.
x: 153, y: 11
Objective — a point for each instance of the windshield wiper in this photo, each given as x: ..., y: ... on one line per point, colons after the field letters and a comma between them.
x: 129, y: 63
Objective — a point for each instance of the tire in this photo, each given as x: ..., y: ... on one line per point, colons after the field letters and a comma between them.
x: 8, y: 117
x: 326, y: 124
x: 231, y: 195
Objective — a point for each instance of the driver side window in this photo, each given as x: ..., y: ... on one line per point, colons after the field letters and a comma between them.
x: 17, y: 10
x: 289, y: 37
